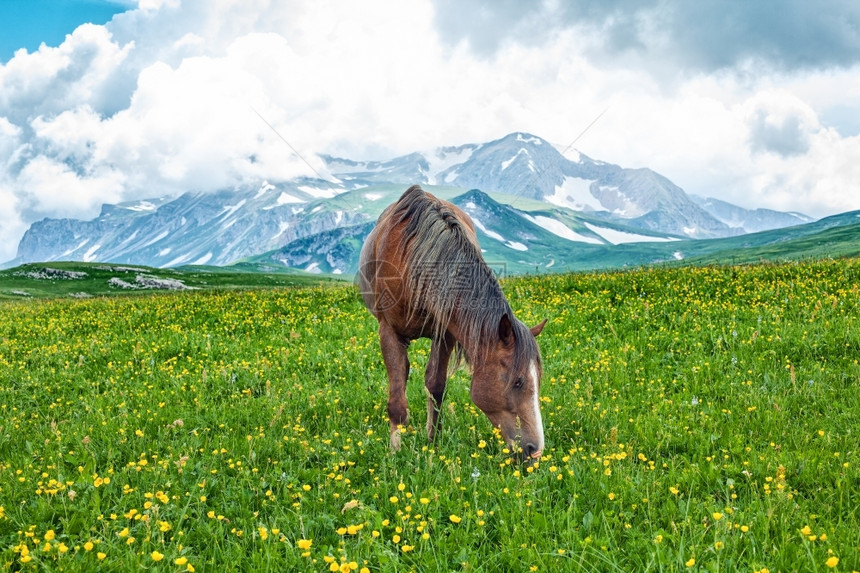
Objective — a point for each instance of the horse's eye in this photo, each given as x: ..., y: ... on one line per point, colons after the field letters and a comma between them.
x: 518, y: 383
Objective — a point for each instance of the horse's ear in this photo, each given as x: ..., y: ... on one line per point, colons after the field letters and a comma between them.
x: 538, y: 329
x: 506, y: 330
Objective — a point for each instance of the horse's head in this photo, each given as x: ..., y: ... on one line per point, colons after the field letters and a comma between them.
x: 506, y: 386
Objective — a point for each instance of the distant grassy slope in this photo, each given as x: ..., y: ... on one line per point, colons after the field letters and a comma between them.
x: 832, y: 237
x: 834, y: 242
x: 32, y: 281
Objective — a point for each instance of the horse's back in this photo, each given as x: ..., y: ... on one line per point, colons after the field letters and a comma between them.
x: 384, y: 258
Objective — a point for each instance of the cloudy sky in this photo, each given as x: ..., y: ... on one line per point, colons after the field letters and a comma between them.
x: 757, y: 103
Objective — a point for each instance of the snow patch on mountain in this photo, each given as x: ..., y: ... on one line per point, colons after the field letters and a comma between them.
x: 506, y: 164
x: 444, y: 159
x: 318, y: 192
x: 180, y: 260
x: 558, y: 228
x: 144, y: 206
x: 90, y: 255
x: 128, y: 239
x: 157, y: 238
x: 204, y: 259
x: 264, y: 188
x: 618, y: 237
x: 575, y: 193
x: 230, y: 209
x: 282, y: 227
x: 531, y: 139
x: 621, y: 204
x: 284, y: 199
x: 80, y: 245
x: 516, y: 245
x: 489, y: 233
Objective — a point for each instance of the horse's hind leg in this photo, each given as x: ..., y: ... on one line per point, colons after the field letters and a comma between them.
x: 435, y: 379
x: 397, y: 364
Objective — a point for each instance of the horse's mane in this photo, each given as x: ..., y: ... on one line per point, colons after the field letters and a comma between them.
x: 447, y: 277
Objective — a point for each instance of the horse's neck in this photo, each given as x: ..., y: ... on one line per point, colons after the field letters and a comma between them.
x: 469, y: 337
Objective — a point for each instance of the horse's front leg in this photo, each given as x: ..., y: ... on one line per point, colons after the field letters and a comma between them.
x: 397, y: 365
x: 435, y: 379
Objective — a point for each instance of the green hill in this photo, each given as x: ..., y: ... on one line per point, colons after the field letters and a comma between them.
x: 85, y: 280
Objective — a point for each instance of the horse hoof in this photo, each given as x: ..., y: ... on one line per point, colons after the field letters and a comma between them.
x: 395, y: 440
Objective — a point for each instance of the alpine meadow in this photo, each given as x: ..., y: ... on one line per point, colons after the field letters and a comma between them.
x: 696, y: 419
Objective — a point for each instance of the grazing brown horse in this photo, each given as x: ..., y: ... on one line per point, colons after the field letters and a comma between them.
x: 422, y: 275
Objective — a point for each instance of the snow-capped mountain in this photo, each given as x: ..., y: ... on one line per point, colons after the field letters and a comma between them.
x: 750, y: 220
x: 195, y: 228
x: 536, y: 207
x: 527, y: 166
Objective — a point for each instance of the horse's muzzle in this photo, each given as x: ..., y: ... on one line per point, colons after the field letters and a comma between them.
x: 531, y: 451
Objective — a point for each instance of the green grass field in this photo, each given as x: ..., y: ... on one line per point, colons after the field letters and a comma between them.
x: 697, y: 419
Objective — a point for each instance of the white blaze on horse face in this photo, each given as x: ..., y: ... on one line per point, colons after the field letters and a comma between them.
x: 533, y: 375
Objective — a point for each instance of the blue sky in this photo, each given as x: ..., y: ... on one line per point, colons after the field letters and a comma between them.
x: 752, y: 102
x: 28, y: 23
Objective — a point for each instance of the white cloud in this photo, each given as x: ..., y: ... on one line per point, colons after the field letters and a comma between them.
x: 54, y: 187
x: 163, y: 99
x: 51, y: 80
x: 151, y: 5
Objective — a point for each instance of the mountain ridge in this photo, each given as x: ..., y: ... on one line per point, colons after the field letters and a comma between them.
x: 580, y: 200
